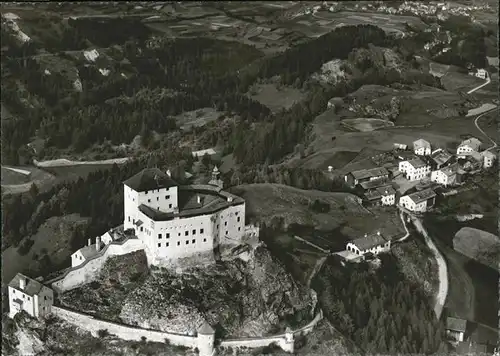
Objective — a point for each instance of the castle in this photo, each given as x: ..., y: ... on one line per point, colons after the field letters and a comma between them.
x: 174, y: 221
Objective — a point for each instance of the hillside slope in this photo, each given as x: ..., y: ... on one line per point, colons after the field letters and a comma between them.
x: 479, y: 245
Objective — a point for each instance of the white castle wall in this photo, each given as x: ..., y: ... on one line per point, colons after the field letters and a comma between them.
x: 90, y: 269
x: 93, y: 325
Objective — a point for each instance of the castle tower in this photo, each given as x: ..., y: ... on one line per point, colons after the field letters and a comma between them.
x: 206, y: 339
x: 215, y: 178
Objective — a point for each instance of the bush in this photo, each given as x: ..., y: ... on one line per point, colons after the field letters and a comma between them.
x: 320, y: 207
x: 25, y: 247
x: 270, y: 349
x: 143, y: 338
x: 103, y: 333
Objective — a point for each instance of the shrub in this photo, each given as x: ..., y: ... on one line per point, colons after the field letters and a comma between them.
x: 143, y: 338
x: 103, y: 333
x: 25, y: 247
x: 270, y: 349
x: 167, y: 341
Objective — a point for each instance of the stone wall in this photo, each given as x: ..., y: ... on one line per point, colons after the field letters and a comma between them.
x: 93, y: 325
x: 90, y: 269
x: 280, y: 339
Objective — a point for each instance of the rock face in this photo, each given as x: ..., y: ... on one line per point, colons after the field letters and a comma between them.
x: 479, y: 245
x: 240, y: 298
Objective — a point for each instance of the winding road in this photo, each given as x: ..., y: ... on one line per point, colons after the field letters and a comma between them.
x: 442, y: 268
x: 481, y: 130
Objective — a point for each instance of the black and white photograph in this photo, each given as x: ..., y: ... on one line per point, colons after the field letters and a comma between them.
x: 246, y: 178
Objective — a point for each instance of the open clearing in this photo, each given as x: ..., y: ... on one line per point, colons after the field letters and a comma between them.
x: 483, y: 108
x: 276, y: 99
x: 366, y: 124
x: 454, y: 81
x: 16, y: 183
x: 52, y: 239
x: 479, y: 245
x: 197, y: 118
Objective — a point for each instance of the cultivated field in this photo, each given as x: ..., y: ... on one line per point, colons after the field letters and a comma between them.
x: 454, y: 81
x: 16, y: 183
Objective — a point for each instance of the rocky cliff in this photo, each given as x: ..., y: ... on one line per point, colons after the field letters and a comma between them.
x: 241, y: 298
x: 248, y: 293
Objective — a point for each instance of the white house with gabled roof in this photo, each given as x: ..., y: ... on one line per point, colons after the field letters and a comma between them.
x: 488, y: 158
x: 374, y: 243
x: 468, y: 146
x: 414, y: 169
x: 419, y: 201
x: 421, y: 147
x: 446, y: 175
x: 29, y: 295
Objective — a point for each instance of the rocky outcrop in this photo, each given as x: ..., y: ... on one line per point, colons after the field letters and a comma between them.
x: 244, y: 298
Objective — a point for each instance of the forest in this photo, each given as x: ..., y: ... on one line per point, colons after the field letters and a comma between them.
x: 380, y: 310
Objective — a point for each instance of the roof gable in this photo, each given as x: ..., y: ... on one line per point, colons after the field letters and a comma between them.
x: 31, y: 288
x: 456, y: 324
x: 150, y: 179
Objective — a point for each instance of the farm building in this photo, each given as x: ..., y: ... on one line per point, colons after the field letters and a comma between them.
x: 439, y: 159
x: 419, y: 201
x: 29, y: 295
x: 488, y: 158
x: 201, y: 153
x: 446, y: 176
x: 374, y: 243
x: 414, y: 169
x: 455, y: 328
x: 357, y: 177
x: 468, y: 146
x: 385, y: 195
x: 421, y: 147
x: 473, y: 161
x: 400, y: 146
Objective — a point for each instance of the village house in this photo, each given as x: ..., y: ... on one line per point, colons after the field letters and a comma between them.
x: 385, y: 195
x: 374, y: 243
x: 446, y: 176
x: 439, y: 159
x: 468, y: 146
x: 455, y: 328
x: 488, y: 159
x: 480, y: 73
x: 400, y: 146
x: 421, y: 147
x: 29, y: 295
x: 419, y: 201
x: 472, y: 161
x: 363, y: 175
x: 414, y: 169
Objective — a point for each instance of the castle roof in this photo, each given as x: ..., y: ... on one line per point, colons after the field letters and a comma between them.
x: 205, y: 329
x: 211, y: 200
x: 31, y: 288
x: 89, y: 251
x: 150, y: 179
x: 367, y: 173
x: 450, y: 170
x: 441, y: 157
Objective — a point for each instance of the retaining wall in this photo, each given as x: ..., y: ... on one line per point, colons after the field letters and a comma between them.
x: 90, y: 269
x: 89, y: 323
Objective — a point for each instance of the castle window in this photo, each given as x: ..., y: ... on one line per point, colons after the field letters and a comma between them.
x: 201, y: 231
x: 236, y: 213
x: 159, y: 244
x: 238, y: 219
x: 226, y: 232
x: 186, y: 233
x: 225, y: 223
x: 187, y: 242
x: 157, y: 198
x: 149, y: 200
x: 178, y: 234
x: 159, y: 236
x: 170, y: 206
x: 194, y: 231
x: 168, y: 236
x: 167, y: 196
x: 217, y: 226
x: 193, y: 241
x: 239, y: 228
x: 142, y: 229
x: 129, y: 219
x: 167, y: 244
x: 204, y: 240
x: 178, y: 243
x: 146, y: 192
